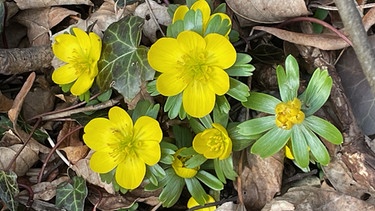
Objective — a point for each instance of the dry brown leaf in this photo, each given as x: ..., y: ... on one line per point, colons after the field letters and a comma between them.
x: 46, y: 190
x: 312, y: 198
x: 75, y: 153
x: 270, y: 11
x: 24, y: 161
x: 40, y: 21
x: 321, y: 41
x: 6, y: 103
x: 27, y: 4
x: 150, y: 27
x: 83, y: 169
x: 38, y: 101
x: 73, y: 139
x: 261, y: 179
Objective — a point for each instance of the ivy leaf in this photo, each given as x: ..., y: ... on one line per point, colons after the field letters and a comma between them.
x: 8, y: 189
x: 123, y: 64
x: 72, y: 197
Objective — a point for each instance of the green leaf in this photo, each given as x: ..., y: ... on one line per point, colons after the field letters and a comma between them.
x: 221, y: 8
x: 317, y: 92
x: 195, y: 161
x: 218, y: 25
x: 189, y: 3
x: 175, y: 28
x: 221, y: 111
x: 320, y: 14
x: 219, y: 171
x: 241, y: 66
x: 182, y: 135
x: 144, y: 108
x: 193, y: 21
x: 238, y: 90
x: 196, y: 125
x: 171, y: 9
x: 271, y: 142
x: 173, y: 105
x: 206, y: 121
x: 157, y: 170
x: 261, y: 102
x: 227, y: 166
x: 317, y: 148
x: 210, y: 180
x: 288, y: 79
x: 123, y: 64
x: 299, y: 147
x: 9, y: 189
x: 172, y: 189
x: 240, y: 141
x: 72, y: 197
x: 105, y: 96
x: 257, y: 125
x: 151, y: 88
x: 196, y: 190
x: 324, y: 129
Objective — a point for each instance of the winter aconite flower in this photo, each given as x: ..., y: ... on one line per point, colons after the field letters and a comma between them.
x: 193, y: 65
x: 213, y: 142
x: 205, y: 10
x: 292, y: 122
x: 192, y: 203
x: 119, y: 143
x: 179, y: 166
x: 81, y: 53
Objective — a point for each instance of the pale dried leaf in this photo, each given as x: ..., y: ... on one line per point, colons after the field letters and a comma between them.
x: 40, y: 21
x: 46, y: 190
x: 75, y: 153
x: 150, y: 27
x: 24, y: 161
x: 321, y: 41
x: 261, y: 179
x: 270, y: 11
x: 27, y: 4
x: 312, y: 198
x: 83, y: 169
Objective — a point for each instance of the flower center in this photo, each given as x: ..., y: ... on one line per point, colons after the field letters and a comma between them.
x: 80, y: 62
x: 215, y: 142
x: 196, y: 64
x: 288, y: 114
x: 126, y: 146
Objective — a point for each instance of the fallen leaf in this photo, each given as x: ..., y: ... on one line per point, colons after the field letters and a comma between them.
x: 46, y: 190
x: 75, y: 153
x: 27, y: 4
x: 25, y: 160
x: 37, y: 101
x: 261, y: 179
x: 313, y: 198
x: 6, y: 103
x: 161, y: 15
x: 40, y: 21
x: 321, y: 41
x: 270, y: 11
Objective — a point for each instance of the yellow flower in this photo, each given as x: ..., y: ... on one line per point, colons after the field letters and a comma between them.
x: 192, y: 203
x: 179, y: 166
x: 213, y: 142
x: 203, y: 6
x: 81, y: 52
x: 289, y: 113
x: 117, y: 143
x: 194, y: 66
x: 288, y: 153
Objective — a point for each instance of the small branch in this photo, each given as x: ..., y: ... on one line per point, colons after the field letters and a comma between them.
x: 361, y: 45
x: 21, y: 60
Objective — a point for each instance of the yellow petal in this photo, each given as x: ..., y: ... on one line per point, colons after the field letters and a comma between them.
x: 200, y: 143
x: 65, y: 74
x: 147, y: 129
x: 192, y: 203
x: 122, y: 120
x: 170, y: 84
x: 102, y: 162
x: 288, y: 153
x: 182, y: 171
x: 198, y: 101
x: 83, y: 41
x: 164, y: 55
x: 82, y: 84
x: 96, y: 46
x: 227, y: 149
x: 149, y: 152
x: 191, y: 42
x: 65, y: 45
x: 203, y: 6
x: 180, y: 13
x: 130, y: 173
x: 223, y: 17
x: 98, y: 134
x: 222, y: 52
x: 219, y: 80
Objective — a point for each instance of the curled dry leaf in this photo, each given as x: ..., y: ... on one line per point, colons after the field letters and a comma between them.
x: 24, y: 161
x: 161, y: 15
x: 27, y: 4
x: 261, y: 179
x: 313, y: 198
x: 46, y: 190
x: 40, y: 21
x: 268, y: 11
